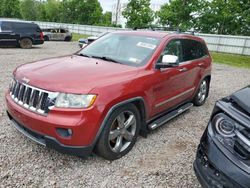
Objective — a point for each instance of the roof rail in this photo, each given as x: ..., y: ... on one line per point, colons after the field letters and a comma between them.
x: 156, y: 28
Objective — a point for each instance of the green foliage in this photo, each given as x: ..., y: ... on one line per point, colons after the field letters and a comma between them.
x: 82, y: 12
x: 231, y: 59
x: 138, y: 13
x: 225, y: 17
x: 29, y: 9
x: 10, y: 8
x: 106, y: 19
x: 180, y: 13
x: 216, y: 16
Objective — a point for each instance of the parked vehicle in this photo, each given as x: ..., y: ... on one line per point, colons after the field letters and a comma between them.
x: 85, y: 41
x: 102, y: 97
x: 57, y: 34
x: 223, y: 156
x: 20, y: 33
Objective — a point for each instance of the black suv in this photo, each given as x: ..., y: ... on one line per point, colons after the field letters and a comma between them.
x: 20, y: 33
x: 223, y: 156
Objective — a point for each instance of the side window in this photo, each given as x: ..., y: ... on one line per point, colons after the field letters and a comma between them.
x: 192, y: 50
x: 172, y: 48
x: 6, y: 26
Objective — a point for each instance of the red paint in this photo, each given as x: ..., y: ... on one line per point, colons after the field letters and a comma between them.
x: 113, y: 83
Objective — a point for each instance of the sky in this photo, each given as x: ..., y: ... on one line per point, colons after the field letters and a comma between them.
x: 107, y: 4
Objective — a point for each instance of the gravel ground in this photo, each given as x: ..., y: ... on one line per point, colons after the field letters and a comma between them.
x: 164, y: 159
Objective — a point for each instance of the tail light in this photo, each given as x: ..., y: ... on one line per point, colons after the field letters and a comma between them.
x: 41, y: 36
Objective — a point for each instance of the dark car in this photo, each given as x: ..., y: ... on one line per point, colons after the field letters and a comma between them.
x: 223, y: 156
x: 20, y: 33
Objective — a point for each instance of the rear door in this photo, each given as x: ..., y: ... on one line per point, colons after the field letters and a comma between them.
x: 194, y: 60
x: 8, y: 35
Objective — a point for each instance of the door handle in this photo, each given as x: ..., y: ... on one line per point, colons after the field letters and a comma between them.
x: 184, y: 69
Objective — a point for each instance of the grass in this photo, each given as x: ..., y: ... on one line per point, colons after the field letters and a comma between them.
x: 77, y: 36
x: 231, y: 59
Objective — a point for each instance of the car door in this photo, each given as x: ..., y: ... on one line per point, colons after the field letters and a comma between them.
x: 193, y: 62
x: 7, y: 35
x: 175, y: 85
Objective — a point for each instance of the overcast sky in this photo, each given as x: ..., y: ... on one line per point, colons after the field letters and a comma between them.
x: 107, y: 4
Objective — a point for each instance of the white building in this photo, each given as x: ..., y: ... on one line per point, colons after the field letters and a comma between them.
x: 117, y: 10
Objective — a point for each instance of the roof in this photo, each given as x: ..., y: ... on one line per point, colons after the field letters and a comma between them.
x: 160, y: 34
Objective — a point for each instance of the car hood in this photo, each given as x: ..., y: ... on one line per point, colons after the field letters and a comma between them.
x: 242, y: 98
x: 73, y: 74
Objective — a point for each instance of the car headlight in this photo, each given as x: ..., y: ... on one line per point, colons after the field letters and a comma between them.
x: 65, y: 100
x: 224, y: 125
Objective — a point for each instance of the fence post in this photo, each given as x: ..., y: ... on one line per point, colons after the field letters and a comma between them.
x: 218, y: 45
x: 244, y: 46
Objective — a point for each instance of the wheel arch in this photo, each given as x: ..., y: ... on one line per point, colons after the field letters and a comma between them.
x: 26, y: 37
x: 140, y: 105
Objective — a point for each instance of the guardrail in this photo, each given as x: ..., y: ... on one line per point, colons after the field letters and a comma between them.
x: 217, y: 43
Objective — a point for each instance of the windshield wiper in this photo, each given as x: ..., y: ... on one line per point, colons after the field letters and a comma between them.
x: 84, y: 55
x: 107, y: 59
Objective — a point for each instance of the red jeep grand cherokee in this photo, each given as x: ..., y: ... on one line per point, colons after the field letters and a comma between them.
x: 102, y: 97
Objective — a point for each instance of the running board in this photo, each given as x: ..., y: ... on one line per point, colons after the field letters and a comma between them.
x: 164, y: 119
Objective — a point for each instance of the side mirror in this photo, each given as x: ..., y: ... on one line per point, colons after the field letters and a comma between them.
x: 168, y: 61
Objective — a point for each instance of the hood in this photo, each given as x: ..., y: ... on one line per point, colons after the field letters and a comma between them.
x: 242, y: 98
x: 73, y: 74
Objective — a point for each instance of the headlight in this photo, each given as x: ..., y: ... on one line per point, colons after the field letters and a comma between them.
x: 224, y: 125
x: 65, y: 100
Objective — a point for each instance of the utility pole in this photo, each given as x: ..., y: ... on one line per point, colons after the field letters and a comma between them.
x: 117, y: 11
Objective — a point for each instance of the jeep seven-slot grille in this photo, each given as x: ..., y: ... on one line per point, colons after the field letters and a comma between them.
x: 29, y: 97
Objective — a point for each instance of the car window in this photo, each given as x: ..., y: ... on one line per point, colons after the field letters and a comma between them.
x: 192, y: 50
x: 172, y: 48
x: 6, y: 26
x: 128, y: 49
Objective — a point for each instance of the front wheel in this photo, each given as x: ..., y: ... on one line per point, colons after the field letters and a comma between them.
x: 120, y: 133
x: 201, y: 95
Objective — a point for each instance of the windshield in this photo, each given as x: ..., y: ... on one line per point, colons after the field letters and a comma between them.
x: 122, y: 48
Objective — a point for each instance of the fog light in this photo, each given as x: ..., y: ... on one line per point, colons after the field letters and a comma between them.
x: 66, y: 133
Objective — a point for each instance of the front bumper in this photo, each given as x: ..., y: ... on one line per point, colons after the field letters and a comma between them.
x: 214, y: 167
x: 84, y: 124
x: 50, y: 142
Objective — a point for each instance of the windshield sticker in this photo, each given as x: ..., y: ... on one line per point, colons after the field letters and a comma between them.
x: 146, y: 45
x: 134, y: 60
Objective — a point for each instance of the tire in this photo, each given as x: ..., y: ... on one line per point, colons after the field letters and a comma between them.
x: 120, y: 133
x: 202, y: 93
x: 46, y: 38
x: 67, y: 39
x: 26, y: 43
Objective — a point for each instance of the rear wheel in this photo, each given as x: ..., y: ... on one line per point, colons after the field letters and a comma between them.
x: 120, y: 133
x: 201, y: 95
x: 46, y: 38
x: 26, y: 43
x: 67, y: 39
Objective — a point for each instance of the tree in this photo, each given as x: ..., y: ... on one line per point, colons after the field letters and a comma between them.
x: 52, y: 10
x: 225, y: 17
x: 81, y: 12
x: 180, y: 13
x: 10, y: 8
x: 29, y: 9
x: 107, y: 19
x: 138, y: 13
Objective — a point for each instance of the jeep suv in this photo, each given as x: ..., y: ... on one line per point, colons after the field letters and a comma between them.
x: 100, y: 98
x: 20, y: 33
x: 223, y: 156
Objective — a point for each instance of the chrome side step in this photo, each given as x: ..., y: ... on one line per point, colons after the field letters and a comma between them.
x: 164, y: 119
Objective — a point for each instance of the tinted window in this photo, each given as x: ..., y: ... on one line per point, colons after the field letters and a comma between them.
x: 172, y: 48
x: 6, y: 26
x: 192, y: 50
